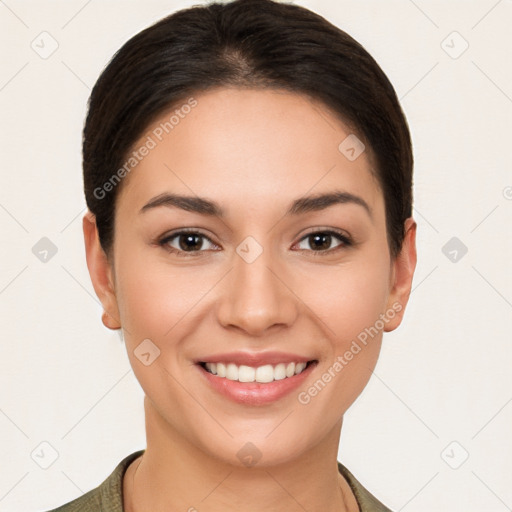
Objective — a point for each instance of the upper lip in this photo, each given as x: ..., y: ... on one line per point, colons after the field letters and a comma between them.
x: 254, y: 358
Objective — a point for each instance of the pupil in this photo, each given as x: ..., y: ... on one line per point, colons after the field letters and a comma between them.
x: 191, y: 242
x: 319, y: 237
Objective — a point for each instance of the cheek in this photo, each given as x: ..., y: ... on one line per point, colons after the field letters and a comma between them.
x: 347, y: 298
x: 159, y: 303
x: 154, y: 297
x: 350, y: 305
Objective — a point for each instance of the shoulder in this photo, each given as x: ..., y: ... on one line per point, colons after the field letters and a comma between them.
x: 107, y: 496
x: 367, y: 502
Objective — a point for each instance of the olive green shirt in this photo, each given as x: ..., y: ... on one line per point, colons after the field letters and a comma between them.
x: 108, y: 496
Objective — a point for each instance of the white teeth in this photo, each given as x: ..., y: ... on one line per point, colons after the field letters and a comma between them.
x: 221, y: 369
x: 212, y: 368
x: 299, y: 367
x: 232, y: 372
x: 280, y: 372
x: 246, y: 374
x: 263, y: 374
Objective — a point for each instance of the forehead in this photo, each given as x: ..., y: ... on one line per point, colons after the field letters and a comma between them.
x: 249, y: 145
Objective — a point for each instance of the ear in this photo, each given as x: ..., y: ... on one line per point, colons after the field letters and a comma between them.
x: 101, y: 272
x: 401, y: 276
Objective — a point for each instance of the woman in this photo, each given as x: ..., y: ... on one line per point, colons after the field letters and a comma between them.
x: 248, y: 174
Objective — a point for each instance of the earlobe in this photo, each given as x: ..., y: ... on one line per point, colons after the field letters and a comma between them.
x: 110, y: 322
x: 402, y: 276
x: 100, y: 271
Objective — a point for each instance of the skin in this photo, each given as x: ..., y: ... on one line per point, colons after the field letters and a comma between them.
x: 253, y: 152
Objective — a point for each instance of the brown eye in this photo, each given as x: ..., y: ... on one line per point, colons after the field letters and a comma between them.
x: 321, y: 241
x: 185, y: 242
x: 190, y: 242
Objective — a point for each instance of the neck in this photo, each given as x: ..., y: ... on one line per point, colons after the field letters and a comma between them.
x: 174, y: 474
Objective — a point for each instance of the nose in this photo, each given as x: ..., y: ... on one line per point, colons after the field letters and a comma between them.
x: 257, y: 295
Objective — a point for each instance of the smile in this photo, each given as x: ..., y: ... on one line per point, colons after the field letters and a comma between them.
x: 255, y: 385
x: 261, y: 374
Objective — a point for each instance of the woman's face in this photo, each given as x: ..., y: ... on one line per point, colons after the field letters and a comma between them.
x: 276, y: 274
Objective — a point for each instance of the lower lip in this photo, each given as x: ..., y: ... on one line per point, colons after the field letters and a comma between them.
x: 256, y: 393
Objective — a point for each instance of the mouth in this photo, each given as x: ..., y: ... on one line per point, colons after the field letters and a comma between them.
x: 261, y: 374
x: 255, y: 385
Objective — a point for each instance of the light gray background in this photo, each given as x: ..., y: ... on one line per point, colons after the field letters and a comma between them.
x: 444, y: 376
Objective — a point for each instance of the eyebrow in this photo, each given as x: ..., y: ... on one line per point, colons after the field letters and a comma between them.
x: 203, y: 206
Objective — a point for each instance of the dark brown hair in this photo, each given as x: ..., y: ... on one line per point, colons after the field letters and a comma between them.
x: 245, y: 43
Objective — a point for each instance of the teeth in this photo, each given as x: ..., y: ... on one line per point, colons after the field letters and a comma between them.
x: 263, y: 374
x: 299, y: 367
x: 232, y: 372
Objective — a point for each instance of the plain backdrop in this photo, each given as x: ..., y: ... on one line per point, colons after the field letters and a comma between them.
x: 432, y: 430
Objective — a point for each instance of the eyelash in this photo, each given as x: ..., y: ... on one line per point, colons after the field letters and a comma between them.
x: 344, y: 239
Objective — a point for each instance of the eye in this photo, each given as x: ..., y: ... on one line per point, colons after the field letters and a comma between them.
x: 185, y: 242
x: 320, y: 241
